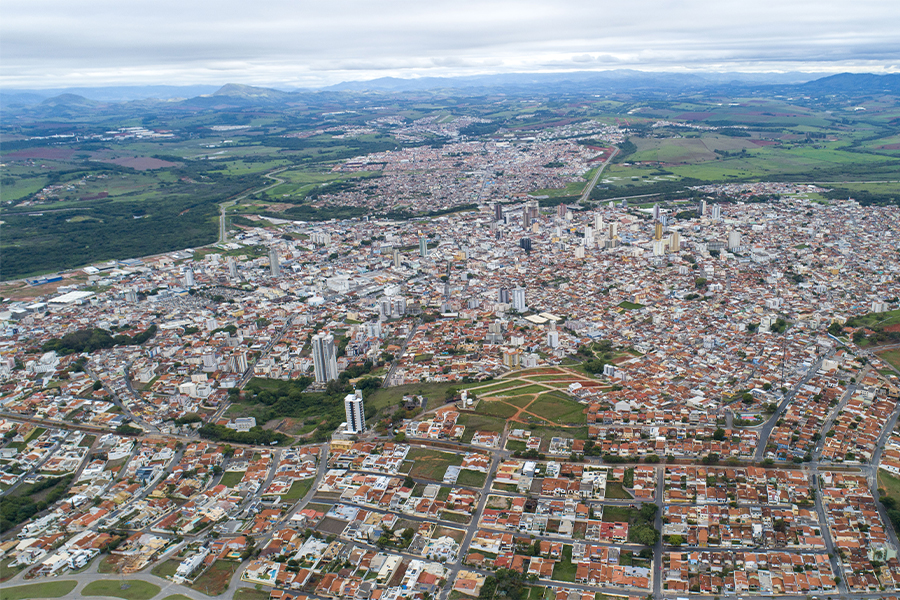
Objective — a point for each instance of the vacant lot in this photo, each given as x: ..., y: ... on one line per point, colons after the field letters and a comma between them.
x: 431, y: 464
x: 215, y: 580
x: 232, y: 478
x: 50, y: 589
x: 495, y: 408
x: 891, y: 357
x: 559, y: 409
x: 135, y: 589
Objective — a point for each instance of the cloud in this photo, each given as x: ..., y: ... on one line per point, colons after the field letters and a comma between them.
x: 48, y: 43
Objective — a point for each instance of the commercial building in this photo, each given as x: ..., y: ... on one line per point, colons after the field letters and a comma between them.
x: 324, y: 359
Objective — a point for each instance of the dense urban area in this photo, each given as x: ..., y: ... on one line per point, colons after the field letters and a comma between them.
x: 499, y: 372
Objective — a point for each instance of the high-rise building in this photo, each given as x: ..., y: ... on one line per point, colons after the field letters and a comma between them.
x: 656, y: 212
x: 324, y: 358
x: 716, y: 212
x: 518, y: 299
x: 423, y: 246
x: 702, y: 208
x: 613, y: 231
x: 658, y: 232
x: 355, y: 411
x: 130, y: 295
x: 189, y: 278
x: 553, y: 338
x: 504, y: 296
x: 498, y: 211
x: 274, y: 265
x: 525, y: 244
x: 734, y: 240
x: 232, y: 267
x: 561, y: 210
x: 675, y: 242
x: 396, y: 257
x: 598, y: 222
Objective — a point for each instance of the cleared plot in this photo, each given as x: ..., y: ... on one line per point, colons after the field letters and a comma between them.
x: 891, y: 357
x: 475, y: 422
x: 215, y: 580
x: 50, y: 589
x: 431, y: 464
x: 491, y: 389
x: 557, y: 408
x: 251, y: 594
x: 495, y: 408
x: 232, y: 478
x: 471, y: 478
x: 298, y: 490
x: 529, y: 389
x: 167, y: 568
x: 520, y: 401
x: 136, y: 589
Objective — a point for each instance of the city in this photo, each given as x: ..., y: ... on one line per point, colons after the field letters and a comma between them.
x: 684, y: 398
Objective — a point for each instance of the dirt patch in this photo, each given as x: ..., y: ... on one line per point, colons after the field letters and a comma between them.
x: 765, y: 142
x: 333, y: 526
x: 893, y: 328
x: 889, y: 147
x: 141, y: 163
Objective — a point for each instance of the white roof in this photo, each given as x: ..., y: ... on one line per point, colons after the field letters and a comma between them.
x: 71, y: 297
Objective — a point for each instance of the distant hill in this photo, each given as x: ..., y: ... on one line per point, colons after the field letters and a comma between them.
x: 69, y: 100
x: 855, y: 83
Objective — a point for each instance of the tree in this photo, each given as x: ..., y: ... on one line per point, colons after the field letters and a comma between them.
x: 98, y: 385
x: 719, y: 434
x: 676, y: 540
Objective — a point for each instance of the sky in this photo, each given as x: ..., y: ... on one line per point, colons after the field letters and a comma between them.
x: 299, y: 43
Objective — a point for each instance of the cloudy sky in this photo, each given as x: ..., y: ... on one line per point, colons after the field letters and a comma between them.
x: 299, y: 43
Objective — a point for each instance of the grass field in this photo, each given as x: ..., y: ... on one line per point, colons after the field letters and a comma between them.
x: 564, y: 570
x: 558, y: 408
x: 215, y: 580
x: 7, y: 572
x: 298, y: 490
x: 890, y: 484
x: 615, y: 491
x: 495, y: 408
x: 617, y: 514
x: 630, y: 305
x: 232, y: 478
x: 520, y: 401
x: 50, y: 589
x: 891, y: 357
x: 431, y: 464
x: 474, y: 422
x: 251, y: 594
x: 485, y: 390
x: 137, y: 589
x: 166, y: 568
x: 183, y: 597
x: 471, y: 478
x: 528, y: 389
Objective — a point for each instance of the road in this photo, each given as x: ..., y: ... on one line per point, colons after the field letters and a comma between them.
x: 223, y: 207
x: 766, y: 429
x: 590, y: 187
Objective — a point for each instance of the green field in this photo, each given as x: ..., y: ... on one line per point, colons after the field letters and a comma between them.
x: 495, y: 408
x: 298, y: 490
x: 431, y: 464
x: 50, y: 589
x: 564, y: 570
x: 471, y: 478
x: 890, y: 484
x: 166, y: 568
x: 558, y: 408
x: 136, y: 589
x: 528, y: 389
x: 474, y: 423
x: 891, y: 357
x: 231, y: 478
x: 214, y: 581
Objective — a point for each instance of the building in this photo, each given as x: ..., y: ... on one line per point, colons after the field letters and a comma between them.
x: 734, y: 241
x: 504, y: 296
x: 423, y: 246
x: 274, y: 265
x: 656, y: 212
x: 716, y: 212
x: 675, y: 242
x: 355, y: 411
x: 525, y: 244
x: 397, y: 262
x: 324, y: 358
x: 613, y: 231
x: 232, y: 267
x: 189, y: 278
x: 498, y: 212
x: 658, y: 231
x: 518, y: 299
x: 701, y: 210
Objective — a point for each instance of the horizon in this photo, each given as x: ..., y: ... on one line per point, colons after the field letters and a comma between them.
x: 76, y: 44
